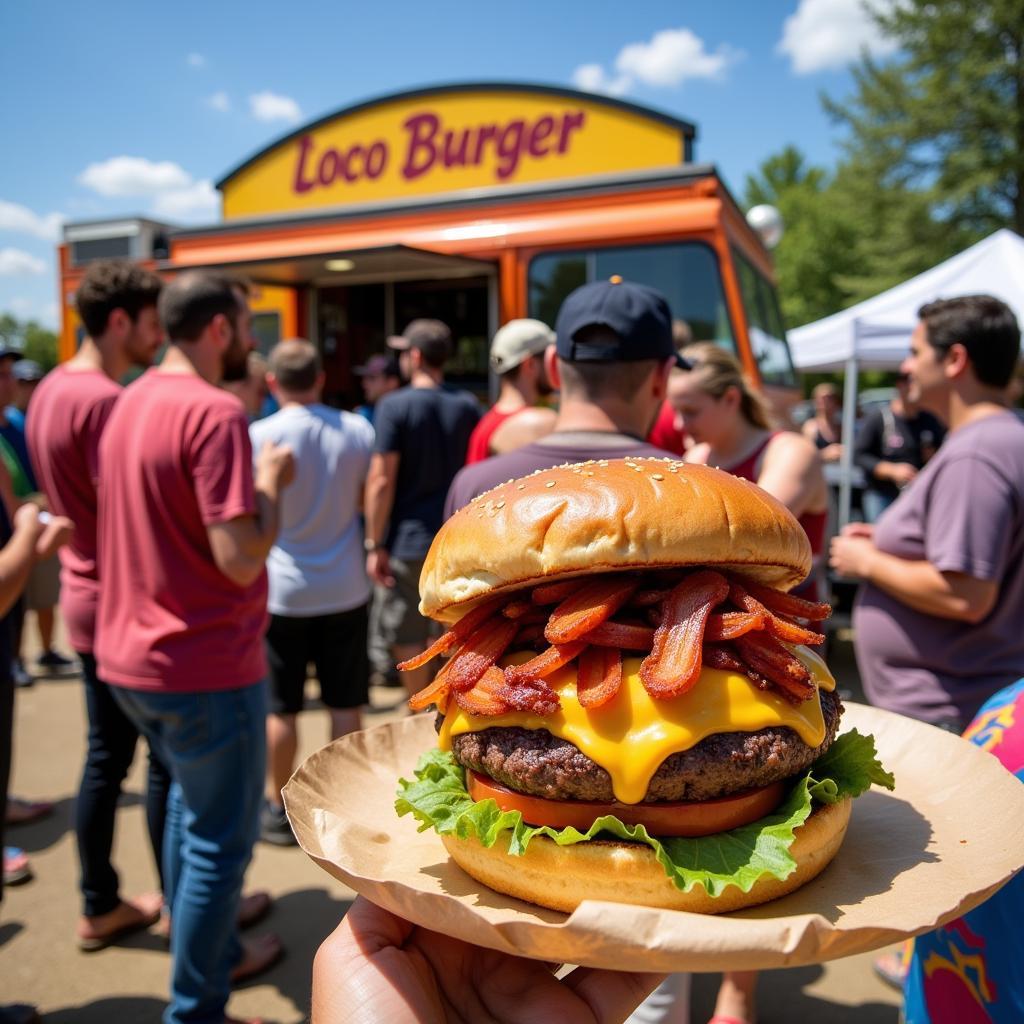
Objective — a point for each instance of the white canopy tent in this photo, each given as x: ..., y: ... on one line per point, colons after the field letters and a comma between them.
x: 875, y: 334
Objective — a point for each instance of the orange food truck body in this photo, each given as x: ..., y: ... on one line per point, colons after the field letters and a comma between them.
x: 475, y: 204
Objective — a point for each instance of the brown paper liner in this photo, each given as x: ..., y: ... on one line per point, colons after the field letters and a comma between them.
x: 947, y: 838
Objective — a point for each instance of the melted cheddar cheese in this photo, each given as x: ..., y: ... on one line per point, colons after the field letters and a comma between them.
x: 632, y: 734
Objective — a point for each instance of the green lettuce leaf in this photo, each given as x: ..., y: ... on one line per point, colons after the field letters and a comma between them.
x: 437, y: 798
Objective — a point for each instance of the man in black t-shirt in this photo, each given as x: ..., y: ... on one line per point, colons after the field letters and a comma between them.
x: 422, y: 435
x: 892, y: 446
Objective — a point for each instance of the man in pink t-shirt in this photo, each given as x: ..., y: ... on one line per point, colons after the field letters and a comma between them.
x: 184, y: 533
x: 117, y: 304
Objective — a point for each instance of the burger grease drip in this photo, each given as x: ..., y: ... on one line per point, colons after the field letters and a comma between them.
x: 634, y: 733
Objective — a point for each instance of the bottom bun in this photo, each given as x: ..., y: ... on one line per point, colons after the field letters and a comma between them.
x: 562, y: 877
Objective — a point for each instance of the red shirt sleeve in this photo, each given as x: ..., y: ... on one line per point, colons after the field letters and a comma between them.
x: 222, y: 470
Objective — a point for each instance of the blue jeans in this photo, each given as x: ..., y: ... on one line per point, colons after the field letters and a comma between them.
x: 215, y: 747
x: 112, y: 740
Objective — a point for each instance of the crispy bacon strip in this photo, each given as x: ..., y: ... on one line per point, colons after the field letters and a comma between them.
x: 768, y: 658
x: 729, y: 625
x: 593, y: 602
x: 674, y: 663
x: 722, y: 658
x: 446, y: 641
x: 545, y: 663
x: 786, y: 604
x: 533, y: 696
x: 598, y: 676
x: 552, y: 593
x: 434, y: 693
x: 646, y: 598
x: 518, y: 609
x: 486, y: 695
x: 529, y: 634
x: 622, y: 635
x: 780, y: 628
x: 480, y: 652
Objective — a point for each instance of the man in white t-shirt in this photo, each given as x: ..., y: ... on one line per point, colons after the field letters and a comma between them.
x: 319, y: 591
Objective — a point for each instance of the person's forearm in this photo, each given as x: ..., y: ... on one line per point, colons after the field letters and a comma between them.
x: 919, y: 585
x: 380, y: 499
x: 268, y: 519
x: 16, y: 561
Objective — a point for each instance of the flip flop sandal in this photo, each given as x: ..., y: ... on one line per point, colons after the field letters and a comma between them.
x: 23, y: 812
x: 95, y: 943
x: 17, y: 870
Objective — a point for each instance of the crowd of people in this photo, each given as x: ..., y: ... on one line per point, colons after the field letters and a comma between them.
x: 221, y: 528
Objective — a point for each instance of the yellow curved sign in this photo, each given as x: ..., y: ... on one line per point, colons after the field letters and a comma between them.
x: 450, y: 140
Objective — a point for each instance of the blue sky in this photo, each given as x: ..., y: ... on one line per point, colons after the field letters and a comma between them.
x: 187, y: 90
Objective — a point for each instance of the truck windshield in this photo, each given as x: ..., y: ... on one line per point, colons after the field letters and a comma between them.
x: 764, y: 319
x: 686, y: 273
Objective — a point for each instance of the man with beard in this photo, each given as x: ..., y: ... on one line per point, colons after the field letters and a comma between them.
x: 184, y: 531
x: 70, y: 409
x: 517, y: 357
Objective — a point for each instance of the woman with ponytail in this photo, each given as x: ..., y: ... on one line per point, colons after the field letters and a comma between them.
x: 731, y: 426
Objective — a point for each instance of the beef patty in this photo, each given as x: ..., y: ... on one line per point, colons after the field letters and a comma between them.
x: 535, y: 762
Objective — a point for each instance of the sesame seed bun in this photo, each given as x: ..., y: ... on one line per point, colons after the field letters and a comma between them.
x: 615, y: 514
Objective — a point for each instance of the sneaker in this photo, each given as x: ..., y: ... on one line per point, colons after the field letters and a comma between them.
x: 274, y: 826
x: 17, y: 870
x: 52, y: 660
x: 19, y: 675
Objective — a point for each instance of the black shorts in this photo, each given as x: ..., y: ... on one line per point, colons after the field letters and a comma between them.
x: 335, y: 643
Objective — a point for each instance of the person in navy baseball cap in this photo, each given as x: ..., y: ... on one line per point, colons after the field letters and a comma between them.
x: 636, y: 320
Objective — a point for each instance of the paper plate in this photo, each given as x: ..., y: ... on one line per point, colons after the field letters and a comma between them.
x: 947, y: 838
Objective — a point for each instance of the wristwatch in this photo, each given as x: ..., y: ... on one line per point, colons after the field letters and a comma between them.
x: 371, y: 545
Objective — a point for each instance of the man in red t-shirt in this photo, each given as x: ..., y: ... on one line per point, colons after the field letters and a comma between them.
x: 517, y: 357
x: 184, y: 533
x: 117, y: 304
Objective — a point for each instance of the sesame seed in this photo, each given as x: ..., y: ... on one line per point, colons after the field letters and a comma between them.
x: 657, y: 476
x: 500, y: 504
x: 550, y: 483
x: 520, y: 487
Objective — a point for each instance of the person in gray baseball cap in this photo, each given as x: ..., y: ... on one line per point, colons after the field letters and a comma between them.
x: 516, y: 418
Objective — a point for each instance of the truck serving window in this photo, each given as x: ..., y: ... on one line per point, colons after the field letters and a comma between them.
x: 686, y: 273
x: 764, y: 320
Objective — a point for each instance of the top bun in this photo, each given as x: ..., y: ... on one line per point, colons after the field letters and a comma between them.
x: 613, y: 514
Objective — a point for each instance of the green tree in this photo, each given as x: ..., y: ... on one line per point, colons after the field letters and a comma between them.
x: 35, y: 341
x: 943, y: 120
x: 815, y: 252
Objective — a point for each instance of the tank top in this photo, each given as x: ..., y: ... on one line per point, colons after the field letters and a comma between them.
x: 480, y: 440
x: 814, y: 523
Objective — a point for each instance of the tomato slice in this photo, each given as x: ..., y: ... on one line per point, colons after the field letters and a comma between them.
x: 662, y: 818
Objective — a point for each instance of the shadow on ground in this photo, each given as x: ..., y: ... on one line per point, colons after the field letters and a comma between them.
x: 123, y: 1009
x: 303, y: 920
x: 782, y: 998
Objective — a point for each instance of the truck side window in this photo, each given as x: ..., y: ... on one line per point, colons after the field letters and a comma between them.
x: 764, y: 324
x: 686, y: 273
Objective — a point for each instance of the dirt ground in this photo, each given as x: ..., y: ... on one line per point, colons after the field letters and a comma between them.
x: 39, y: 962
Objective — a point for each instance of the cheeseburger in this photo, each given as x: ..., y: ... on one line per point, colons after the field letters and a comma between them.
x: 632, y: 709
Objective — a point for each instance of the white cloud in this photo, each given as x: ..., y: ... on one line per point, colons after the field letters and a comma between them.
x: 672, y: 56
x: 17, y: 261
x: 824, y: 34
x: 133, y: 176
x: 219, y: 101
x: 196, y: 60
x: 269, y: 106
x: 15, y: 217
x: 199, y: 200
x: 594, y: 78
x: 668, y: 59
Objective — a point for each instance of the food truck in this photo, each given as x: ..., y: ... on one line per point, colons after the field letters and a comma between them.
x: 472, y: 203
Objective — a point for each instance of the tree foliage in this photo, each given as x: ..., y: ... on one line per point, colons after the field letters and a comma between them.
x: 932, y: 158
x: 34, y: 340
x: 944, y: 118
